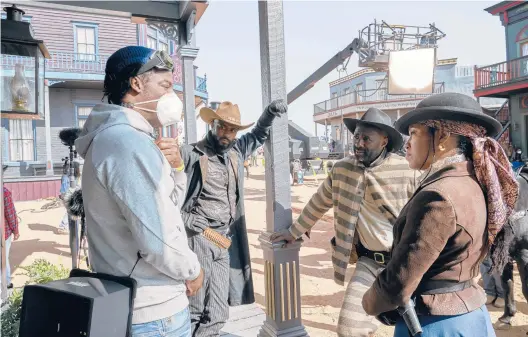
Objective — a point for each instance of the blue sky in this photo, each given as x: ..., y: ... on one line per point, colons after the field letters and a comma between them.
x: 228, y: 38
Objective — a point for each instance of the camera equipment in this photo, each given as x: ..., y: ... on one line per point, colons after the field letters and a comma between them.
x: 73, y: 201
x: 85, y: 304
x: 68, y: 137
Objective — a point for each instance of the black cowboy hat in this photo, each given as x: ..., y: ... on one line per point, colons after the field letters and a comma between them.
x: 377, y: 118
x: 449, y: 106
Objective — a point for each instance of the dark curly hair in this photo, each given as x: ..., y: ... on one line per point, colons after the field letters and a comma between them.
x: 117, y: 85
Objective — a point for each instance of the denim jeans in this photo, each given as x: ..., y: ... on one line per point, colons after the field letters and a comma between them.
x: 178, y: 325
x: 8, y: 242
x: 476, y: 323
x: 492, y: 283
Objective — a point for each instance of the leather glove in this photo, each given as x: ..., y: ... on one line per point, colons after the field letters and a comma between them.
x: 278, y: 107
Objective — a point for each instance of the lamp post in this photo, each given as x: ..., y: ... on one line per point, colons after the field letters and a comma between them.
x: 213, y: 106
x: 22, y: 79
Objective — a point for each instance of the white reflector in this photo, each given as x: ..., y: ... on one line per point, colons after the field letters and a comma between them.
x: 411, y: 71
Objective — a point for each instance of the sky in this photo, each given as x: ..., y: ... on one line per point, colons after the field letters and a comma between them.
x: 228, y: 38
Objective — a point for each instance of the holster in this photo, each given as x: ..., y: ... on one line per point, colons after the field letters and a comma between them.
x: 216, y: 238
x: 408, y: 313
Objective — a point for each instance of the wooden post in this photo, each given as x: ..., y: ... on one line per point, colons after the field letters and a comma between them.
x: 283, y: 295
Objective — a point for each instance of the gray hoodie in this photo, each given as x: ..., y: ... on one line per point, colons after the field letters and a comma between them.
x: 132, y: 200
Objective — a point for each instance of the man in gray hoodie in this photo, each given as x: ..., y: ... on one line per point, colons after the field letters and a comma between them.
x: 133, y: 192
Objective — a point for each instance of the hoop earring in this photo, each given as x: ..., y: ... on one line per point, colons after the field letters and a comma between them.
x: 441, y: 147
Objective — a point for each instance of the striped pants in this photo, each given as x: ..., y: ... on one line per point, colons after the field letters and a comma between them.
x: 209, y: 307
x: 353, y: 321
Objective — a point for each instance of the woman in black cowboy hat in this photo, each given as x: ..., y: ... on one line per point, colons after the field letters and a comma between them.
x: 456, y: 216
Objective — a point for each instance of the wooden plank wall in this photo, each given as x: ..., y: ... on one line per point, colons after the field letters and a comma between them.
x: 55, y: 27
x: 34, y: 189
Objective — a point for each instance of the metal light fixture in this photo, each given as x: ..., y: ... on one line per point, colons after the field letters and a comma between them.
x: 22, y: 64
x: 214, y: 105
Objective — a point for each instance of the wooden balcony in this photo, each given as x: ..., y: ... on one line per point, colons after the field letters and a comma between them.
x: 368, y: 96
x: 502, y: 79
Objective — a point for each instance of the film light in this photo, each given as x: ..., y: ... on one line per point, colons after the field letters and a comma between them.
x: 411, y: 71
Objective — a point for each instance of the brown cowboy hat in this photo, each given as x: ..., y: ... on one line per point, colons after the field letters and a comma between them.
x: 227, y: 112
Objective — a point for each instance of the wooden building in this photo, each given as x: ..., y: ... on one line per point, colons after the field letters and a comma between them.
x: 509, y: 79
x: 80, y: 40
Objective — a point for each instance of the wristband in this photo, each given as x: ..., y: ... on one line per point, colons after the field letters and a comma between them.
x: 181, y: 168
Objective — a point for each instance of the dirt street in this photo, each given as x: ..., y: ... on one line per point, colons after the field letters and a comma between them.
x: 321, y: 297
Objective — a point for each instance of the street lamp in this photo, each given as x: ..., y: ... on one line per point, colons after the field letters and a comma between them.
x: 22, y: 79
x: 213, y: 106
x: 21, y: 85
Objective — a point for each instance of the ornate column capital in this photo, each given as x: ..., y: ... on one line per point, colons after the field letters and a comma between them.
x: 188, y: 52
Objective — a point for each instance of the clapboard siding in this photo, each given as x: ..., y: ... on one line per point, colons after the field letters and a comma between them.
x: 62, y: 112
x: 34, y: 189
x: 55, y: 27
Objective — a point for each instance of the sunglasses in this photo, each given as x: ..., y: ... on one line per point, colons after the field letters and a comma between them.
x: 160, y: 59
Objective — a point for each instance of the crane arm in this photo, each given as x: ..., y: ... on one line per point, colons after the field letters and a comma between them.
x: 324, y: 70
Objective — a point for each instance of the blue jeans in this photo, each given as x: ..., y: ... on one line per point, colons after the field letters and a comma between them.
x: 178, y: 325
x: 492, y: 283
x: 473, y: 324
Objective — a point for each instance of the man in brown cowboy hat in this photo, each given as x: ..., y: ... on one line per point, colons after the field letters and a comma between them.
x: 367, y: 191
x: 213, y: 212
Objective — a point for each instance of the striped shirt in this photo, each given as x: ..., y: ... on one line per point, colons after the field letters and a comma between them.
x: 388, y: 184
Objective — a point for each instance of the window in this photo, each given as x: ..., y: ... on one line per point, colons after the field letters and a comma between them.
x: 359, y: 92
x: 82, y: 114
x: 156, y: 40
x: 21, y: 140
x: 381, y: 87
x: 346, y: 91
x: 524, y: 49
x: 85, y: 41
x: 333, y: 101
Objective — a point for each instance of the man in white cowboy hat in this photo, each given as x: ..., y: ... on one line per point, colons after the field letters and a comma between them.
x: 213, y: 212
x: 367, y: 191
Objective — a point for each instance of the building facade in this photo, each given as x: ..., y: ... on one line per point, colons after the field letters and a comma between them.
x: 509, y: 79
x: 353, y: 95
x: 80, y: 41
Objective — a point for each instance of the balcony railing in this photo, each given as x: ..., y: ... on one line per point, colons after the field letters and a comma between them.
x: 501, y: 73
x: 77, y: 63
x: 364, y: 96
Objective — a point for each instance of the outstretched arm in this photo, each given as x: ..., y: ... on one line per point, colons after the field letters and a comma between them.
x: 318, y: 205
x: 249, y: 142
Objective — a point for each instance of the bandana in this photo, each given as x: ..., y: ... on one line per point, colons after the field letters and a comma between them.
x: 493, y: 171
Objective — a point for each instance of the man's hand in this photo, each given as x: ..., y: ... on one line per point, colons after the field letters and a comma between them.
x: 283, y: 235
x: 16, y: 236
x: 278, y: 107
x: 170, y: 149
x: 195, y: 285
